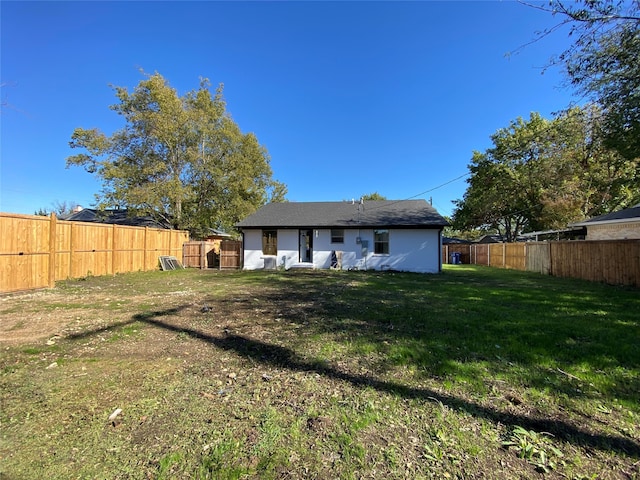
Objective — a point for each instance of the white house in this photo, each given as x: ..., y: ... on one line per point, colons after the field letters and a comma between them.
x: 402, y: 235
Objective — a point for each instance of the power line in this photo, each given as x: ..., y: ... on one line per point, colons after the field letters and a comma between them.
x: 440, y: 186
x: 425, y: 192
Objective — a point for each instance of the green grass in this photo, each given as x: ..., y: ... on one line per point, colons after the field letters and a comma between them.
x: 474, y: 373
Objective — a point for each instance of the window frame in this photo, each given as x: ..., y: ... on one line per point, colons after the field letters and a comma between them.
x: 337, y: 239
x: 269, y: 241
x: 381, y: 246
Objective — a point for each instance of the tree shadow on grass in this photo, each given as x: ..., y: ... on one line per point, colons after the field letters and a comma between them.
x: 469, y: 324
x: 285, y: 358
x: 419, y: 311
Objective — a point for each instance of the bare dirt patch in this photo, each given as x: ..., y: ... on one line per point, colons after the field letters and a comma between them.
x: 22, y: 324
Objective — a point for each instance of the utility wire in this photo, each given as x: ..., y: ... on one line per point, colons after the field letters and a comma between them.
x: 441, y: 185
x: 423, y: 193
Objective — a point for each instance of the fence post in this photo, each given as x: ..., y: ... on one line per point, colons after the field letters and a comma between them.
x: 144, y: 249
x: 113, y: 250
x: 71, y: 245
x: 52, y: 250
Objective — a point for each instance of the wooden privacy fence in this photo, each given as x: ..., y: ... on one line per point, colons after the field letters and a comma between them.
x: 611, y: 261
x: 37, y: 251
x: 220, y: 254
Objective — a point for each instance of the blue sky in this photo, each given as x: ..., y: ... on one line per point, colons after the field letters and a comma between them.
x: 349, y: 98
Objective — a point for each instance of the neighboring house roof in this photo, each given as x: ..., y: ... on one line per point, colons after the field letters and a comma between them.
x: 490, y: 239
x: 117, y: 217
x: 628, y: 214
x: 570, y: 233
x: 375, y: 213
x: 452, y: 241
x: 212, y: 232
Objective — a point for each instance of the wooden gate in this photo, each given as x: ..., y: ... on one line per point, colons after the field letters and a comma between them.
x: 230, y: 254
x: 195, y: 254
x: 223, y: 255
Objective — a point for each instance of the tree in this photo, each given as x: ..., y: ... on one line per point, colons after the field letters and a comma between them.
x: 489, y: 202
x: 372, y: 196
x: 467, y: 234
x: 59, y: 208
x: 590, y: 178
x: 543, y: 174
x: 180, y: 158
x: 602, y: 63
x: 609, y: 72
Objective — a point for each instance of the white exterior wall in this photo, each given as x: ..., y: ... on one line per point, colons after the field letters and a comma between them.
x: 411, y: 250
x: 287, y: 247
x: 252, y: 248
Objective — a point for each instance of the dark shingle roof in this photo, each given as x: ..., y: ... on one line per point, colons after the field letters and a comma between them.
x: 118, y: 217
x: 379, y: 213
x: 454, y: 241
x: 620, y: 215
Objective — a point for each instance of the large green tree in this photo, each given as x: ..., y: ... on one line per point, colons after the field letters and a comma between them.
x: 602, y: 63
x: 181, y: 158
x: 542, y: 174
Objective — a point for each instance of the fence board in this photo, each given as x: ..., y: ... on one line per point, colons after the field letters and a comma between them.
x: 36, y: 251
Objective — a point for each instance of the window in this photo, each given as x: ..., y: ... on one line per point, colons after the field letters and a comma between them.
x: 381, y: 242
x: 270, y: 242
x: 337, y: 235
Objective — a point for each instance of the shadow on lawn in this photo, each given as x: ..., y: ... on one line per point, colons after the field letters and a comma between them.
x: 534, y: 323
x: 281, y: 357
x: 471, y: 325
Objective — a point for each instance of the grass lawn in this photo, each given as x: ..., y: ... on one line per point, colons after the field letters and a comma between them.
x: 474, y: 373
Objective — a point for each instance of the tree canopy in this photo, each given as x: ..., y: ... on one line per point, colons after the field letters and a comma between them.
x: 372, y: 196
x: 180, y: 158
x: 602, y: 63
x: 542, y: 174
